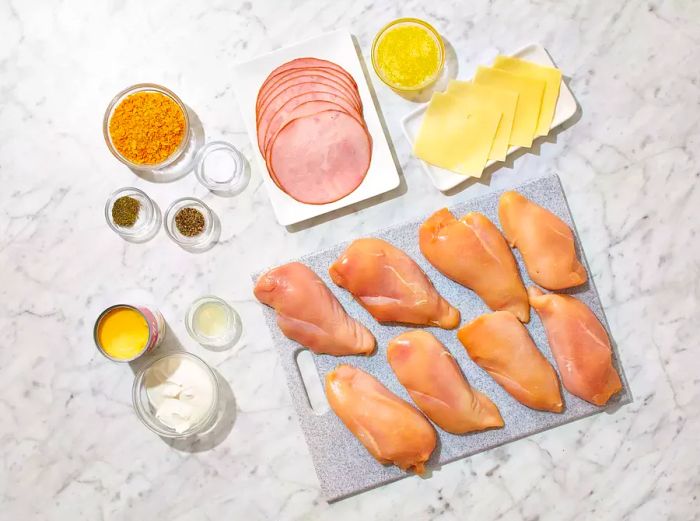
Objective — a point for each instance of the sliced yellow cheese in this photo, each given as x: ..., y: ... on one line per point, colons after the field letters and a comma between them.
x: 455, y: 135
x: 551, y: 78
x: 530, y: 93
x: 490, y: 98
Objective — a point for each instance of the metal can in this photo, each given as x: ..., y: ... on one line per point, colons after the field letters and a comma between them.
x: 154, y: 322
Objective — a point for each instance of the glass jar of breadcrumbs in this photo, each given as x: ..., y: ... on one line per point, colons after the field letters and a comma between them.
x: 146, y: 127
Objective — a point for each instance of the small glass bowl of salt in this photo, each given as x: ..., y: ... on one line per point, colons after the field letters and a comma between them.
x: 176, y: 396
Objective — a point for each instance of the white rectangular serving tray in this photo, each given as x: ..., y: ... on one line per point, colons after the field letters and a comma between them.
x: 445, y: 179
x: 339, y: 48
x: 343, y: 465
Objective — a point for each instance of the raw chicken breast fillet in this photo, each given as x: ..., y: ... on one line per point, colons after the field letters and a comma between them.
x: 391, y: 429
x: 309, y: 313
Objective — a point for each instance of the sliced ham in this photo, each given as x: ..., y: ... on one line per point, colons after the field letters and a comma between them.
x: 301, y: 106
x: 270, y: 116
x: 308, y: 108
x: 321, y: 158
x: 268, y: 151
x: 305, y: 63
x: 296, y: 73
x: 286, y: 84
x: 311, y: 131
x: 275, y: 102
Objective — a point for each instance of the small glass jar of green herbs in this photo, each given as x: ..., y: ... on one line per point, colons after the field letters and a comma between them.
x: 132, y: 215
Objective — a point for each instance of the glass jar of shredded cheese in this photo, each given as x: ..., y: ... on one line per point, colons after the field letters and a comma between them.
x: 408, y: 54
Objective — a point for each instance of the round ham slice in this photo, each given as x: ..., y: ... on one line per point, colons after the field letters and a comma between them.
x: 322, y: 94
x: 308, y: 108
x: 303, y: 63
x: 321, y: 158
x: 300, y: 106
x: 315, y: 71
x: 275, y: 102
x: 285, y: 84
x: 296, y: 73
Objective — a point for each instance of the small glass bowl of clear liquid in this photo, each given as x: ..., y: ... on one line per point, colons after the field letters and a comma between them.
x: 213, y: 323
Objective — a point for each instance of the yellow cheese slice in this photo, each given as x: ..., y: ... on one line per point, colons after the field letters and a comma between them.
x: 455, y: 135
x: 551, y: 78
x: 530, y: 93
x: 490, y: 98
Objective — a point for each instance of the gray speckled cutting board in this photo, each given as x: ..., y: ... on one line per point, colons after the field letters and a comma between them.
x: 343, y: 465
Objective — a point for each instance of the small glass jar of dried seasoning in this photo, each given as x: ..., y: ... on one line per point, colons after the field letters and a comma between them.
x: 191, y: 224
x: 132, y: 214
x: 190, y: 221
x: 125, y: 211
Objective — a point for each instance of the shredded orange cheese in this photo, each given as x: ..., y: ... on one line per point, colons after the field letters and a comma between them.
x: 147, y: 127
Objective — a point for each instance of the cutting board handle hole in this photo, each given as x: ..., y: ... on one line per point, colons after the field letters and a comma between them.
x: 312, y: 382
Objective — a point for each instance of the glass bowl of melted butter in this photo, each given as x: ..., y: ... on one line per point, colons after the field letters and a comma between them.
x: 408, y: 54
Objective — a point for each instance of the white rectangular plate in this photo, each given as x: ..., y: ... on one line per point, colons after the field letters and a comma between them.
x: 446, y: 179
x: 339, y: 48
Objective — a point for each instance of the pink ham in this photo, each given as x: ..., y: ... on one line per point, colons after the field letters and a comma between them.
x: 308, y: 108
x: 286, y: 84
x: 295, y: 108
x: 274, y: 105
x: 281, y: 107
x: 311, y: 131
x: 305, y: 63
x: 321, y: 158
x: 300, y: 110
x: 267, y: 143
x: 276, y: 101
x: 296, y: 73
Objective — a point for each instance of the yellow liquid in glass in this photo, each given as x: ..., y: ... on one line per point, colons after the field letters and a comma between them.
x: 211, y: 320
x: 123, y: 333
x: 407, y: 56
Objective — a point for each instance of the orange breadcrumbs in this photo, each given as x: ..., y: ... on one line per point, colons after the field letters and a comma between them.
x: 147, y: 127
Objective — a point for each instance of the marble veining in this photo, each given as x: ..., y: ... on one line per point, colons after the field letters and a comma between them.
x: 71, y: 447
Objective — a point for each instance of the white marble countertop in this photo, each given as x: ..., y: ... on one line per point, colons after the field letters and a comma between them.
x: 72, y: 447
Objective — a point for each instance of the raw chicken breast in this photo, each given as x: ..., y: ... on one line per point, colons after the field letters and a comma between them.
x: 391, y: 429
x: 544, y: 240
x: 391, y: 286
x: 309, y: 313
x: 433, y: 379
x: 501, y: 346
x: 472, y: 252
x: 580, y: 345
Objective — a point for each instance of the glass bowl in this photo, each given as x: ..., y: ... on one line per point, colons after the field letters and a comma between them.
x: 232, y: 329
x: 146, y: 224
x: 221, y: 168
x: 200, y: 241
x: 142, y: 87
x: 147, y: 414
x: 416, y: 22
